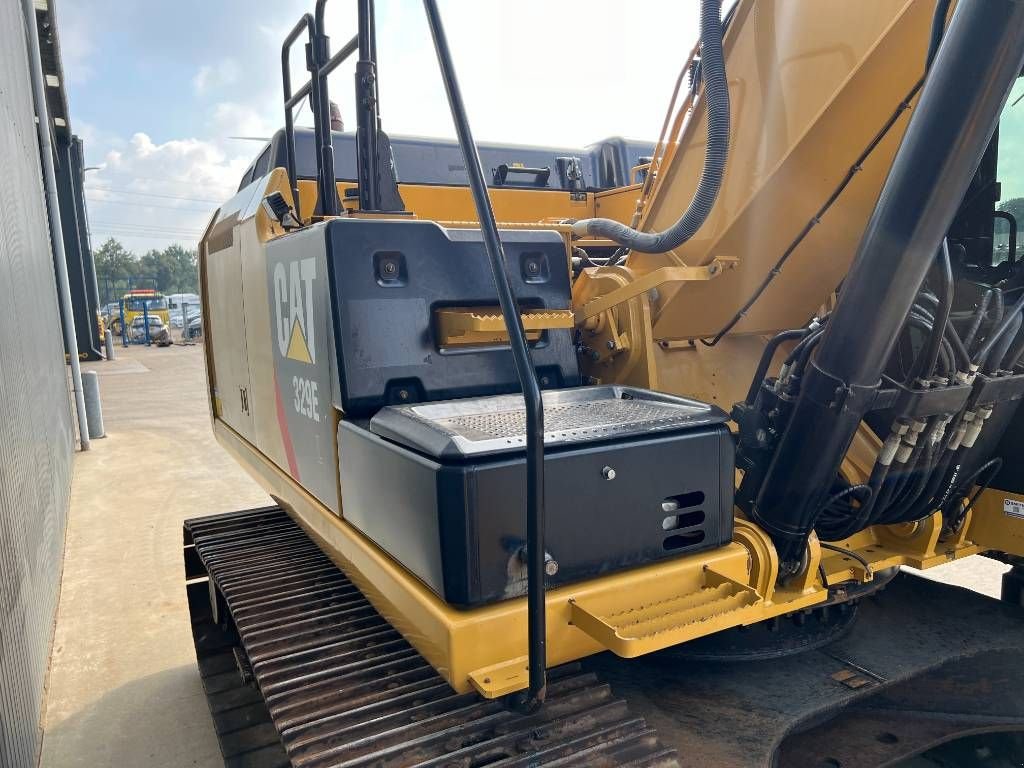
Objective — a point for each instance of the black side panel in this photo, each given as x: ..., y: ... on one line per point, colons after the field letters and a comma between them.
x: 388, y: 278
x: 459, y: 527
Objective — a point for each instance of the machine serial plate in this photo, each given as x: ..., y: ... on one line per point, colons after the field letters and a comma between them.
x: 497, y: 424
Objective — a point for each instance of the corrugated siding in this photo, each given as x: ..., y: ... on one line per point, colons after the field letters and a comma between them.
x: 36, y: 439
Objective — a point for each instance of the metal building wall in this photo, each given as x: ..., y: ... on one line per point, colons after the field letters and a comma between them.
x: 36, y: 438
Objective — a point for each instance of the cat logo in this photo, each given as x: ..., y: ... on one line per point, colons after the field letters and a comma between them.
x: 293, y: 303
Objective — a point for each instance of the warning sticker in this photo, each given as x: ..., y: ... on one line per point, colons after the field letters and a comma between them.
x: 1013, y: 508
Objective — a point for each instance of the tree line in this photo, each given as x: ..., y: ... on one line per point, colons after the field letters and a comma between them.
x: 172, y: 270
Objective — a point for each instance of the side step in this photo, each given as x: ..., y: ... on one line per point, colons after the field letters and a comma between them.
x: 334, y: 684
x: 720, y: 603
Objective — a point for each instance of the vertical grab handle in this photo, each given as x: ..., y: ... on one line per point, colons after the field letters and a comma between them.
x: 524, y: 368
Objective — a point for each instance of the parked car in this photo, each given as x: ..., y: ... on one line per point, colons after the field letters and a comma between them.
x: 182, y: 315
x: 194, y: 329
x: 159, y: 333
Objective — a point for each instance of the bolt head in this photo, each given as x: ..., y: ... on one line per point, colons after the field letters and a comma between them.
x: 608, y: 473
x: 551, y: 567
x: 403, y: 394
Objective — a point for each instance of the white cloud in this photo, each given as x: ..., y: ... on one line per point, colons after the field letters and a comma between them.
x: 213, y: 77
x: 233, y: 119
x: 516, y: 90
x: 151, y: 194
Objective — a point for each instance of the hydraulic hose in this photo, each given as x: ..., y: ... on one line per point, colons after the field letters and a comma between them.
x: 766, y: 359
x: 716, y: 95
x: 1001, y: 347
x: 926, y: 362
x: 1001, y: 328
x: 1014, y: 355
x: 979, y: 315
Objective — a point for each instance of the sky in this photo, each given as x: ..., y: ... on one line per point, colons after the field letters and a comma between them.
x: 157, y: 90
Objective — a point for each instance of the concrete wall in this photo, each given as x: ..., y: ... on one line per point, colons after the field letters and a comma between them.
x: 36, y: 437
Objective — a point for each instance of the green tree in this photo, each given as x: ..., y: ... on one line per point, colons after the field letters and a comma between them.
x: 173, y: 270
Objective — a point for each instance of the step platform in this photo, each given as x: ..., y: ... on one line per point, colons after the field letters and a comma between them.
x: 631, y: 477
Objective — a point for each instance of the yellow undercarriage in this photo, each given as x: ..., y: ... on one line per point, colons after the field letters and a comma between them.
x: 630, y: 613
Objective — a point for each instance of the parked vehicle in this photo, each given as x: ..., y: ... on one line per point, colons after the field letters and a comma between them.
x: 159, y: 333
x: 194, y: 327
x: 137, y: 303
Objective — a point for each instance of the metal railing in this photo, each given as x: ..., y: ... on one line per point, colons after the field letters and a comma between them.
x: 536, y: 618
x: 320, y: 64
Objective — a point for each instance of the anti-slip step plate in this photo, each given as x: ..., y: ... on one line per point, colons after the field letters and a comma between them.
x: 482, y: 426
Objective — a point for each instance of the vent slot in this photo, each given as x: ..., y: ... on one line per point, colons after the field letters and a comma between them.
x: 682, y: 501
x: 683, y: 540
x: 684, y: 520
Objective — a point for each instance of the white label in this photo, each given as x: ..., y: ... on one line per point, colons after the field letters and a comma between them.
x: 307, y: 400
x: 1013, y: 508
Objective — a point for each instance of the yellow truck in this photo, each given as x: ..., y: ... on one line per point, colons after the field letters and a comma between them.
x: 136, y: 303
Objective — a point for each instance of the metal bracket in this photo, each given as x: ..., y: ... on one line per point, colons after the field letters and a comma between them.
x: 655, y: 279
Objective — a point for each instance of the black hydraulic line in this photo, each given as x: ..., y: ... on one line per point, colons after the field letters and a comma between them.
x: 878, y: 475
x: 979, y: 315
x: 978, y: 61
x: 716, y: 96
x: 926, y: 361
x: 851, y: 554
x: 802, y: 349
x: 1013, y: 357
x: 828, y: 521
x: 939, y: 479
x: 947, y: 352
x: 524, y: 366
x: 917, y: 482
x: 990, y: 468
x: 994, y: 360
x: 766, y: 359
x: 1003, y: 325
x: 989, y: 324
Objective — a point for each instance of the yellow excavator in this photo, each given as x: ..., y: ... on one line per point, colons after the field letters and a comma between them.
x: 612, y: 455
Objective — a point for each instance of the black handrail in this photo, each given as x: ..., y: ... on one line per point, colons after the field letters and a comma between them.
x: 536, y: 640
x: 290, y: 100
x: 367, y: 113
x: 319, y: 64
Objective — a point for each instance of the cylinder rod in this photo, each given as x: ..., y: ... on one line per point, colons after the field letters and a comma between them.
x: 975, y: 67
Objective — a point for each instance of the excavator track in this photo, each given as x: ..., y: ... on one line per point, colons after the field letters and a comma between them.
x: 299, y: 669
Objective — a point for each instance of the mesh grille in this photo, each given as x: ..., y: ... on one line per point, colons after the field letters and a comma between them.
x: 585, y: 418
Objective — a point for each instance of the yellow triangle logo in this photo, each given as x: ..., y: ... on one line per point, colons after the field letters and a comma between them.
x: 297, y: 349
